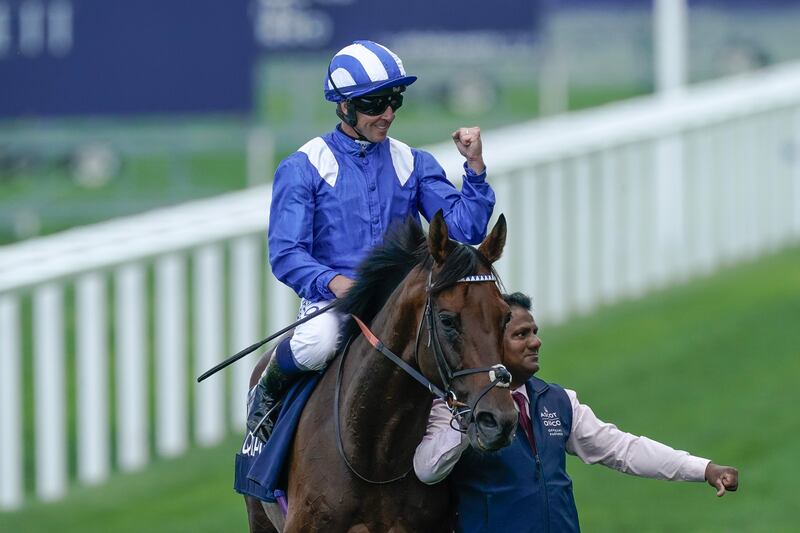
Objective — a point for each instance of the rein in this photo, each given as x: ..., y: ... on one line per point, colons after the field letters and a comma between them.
x: 498, y: 375
x: 337, y: 424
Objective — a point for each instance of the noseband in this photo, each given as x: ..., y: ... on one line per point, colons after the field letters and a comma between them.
x: 463, y: 414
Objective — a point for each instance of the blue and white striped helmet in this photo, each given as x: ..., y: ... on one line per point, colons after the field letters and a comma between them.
x: 362, y: 68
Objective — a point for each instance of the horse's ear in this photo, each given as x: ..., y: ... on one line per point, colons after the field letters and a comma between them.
x: 439, y: 243
x: 492, y: 245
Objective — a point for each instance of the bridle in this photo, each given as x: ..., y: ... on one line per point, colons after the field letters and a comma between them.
x: 499, y: 376
x: 462, y: 413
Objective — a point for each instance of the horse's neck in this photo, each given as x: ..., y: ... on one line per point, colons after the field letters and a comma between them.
x: 384, y: 410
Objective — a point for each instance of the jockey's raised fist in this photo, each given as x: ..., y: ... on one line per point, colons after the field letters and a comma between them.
x: 468, y: 142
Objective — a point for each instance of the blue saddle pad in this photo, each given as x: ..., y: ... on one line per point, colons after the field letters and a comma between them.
x: 260, y: 466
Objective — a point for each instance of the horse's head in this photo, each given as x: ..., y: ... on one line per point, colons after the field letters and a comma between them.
x: 465, y: 318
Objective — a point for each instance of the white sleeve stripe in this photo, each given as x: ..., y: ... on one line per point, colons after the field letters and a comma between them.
x: 402, y: 159
x: 321, y: 157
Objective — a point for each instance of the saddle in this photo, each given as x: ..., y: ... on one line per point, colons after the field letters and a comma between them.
x: 260, y: 466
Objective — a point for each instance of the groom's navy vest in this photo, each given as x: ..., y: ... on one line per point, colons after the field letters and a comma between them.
x: 508, y: 490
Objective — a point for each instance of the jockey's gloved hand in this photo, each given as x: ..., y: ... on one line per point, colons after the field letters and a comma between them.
x: 264, y: 406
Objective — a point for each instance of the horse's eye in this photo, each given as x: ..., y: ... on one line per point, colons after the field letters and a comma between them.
x: 449, y: 320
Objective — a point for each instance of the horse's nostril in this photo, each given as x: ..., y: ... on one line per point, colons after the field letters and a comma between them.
x: 486, y: 420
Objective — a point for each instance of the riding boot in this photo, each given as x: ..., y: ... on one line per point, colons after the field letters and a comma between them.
x: 264, y: 405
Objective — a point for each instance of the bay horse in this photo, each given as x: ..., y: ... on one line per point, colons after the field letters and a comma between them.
x: 364, y: 482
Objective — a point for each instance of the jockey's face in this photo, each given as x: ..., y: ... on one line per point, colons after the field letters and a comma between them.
x: 374, y: 128
x: 521, y: 345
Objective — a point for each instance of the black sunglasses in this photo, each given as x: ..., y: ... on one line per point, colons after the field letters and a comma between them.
x: 376, y: 105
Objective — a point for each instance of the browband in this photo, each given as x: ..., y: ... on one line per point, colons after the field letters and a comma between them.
x: 478, y: 277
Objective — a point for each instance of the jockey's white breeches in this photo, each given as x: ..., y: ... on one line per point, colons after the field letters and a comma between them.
x: 314, y: 342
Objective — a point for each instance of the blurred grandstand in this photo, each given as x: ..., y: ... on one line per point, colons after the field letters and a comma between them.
x: 92, y: 126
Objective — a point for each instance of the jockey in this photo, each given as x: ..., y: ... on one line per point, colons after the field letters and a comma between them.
x: 334, y: 198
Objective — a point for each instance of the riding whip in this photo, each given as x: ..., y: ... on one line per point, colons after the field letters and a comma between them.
x: 259, y: 344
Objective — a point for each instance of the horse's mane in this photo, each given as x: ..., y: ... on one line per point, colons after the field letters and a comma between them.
x: 403, y: 248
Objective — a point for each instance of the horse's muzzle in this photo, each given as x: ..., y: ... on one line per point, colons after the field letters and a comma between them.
x: 491, y: 430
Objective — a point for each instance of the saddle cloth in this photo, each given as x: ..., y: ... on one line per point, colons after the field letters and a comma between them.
x: 260, y: 467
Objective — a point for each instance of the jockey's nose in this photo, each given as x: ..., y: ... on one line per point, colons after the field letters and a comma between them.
x: 388, y: 114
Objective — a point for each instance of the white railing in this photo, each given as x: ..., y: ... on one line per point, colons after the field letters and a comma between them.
x: 602, y: 205
x: 131, y: 277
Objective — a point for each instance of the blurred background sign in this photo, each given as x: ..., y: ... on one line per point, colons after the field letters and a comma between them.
x: 113, y: 108
x: 93, y: 57
x: 291, y: 25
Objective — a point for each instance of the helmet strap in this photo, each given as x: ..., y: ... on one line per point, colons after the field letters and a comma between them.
x: 351, y: 119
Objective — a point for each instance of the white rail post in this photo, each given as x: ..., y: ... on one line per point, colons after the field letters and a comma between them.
x: 782, y: 193
x: 585, y: 287
x: 765, y: 165
x: 772, y: 191
x: 796, y: 172
x: 670, y: 22
x: 92, y: 375
x: 531, y: 256
x: 244, y: 320
x: 670, y: 44
x: 727, y: 207
x: 786, y: 190
x: 49, y: 396
x: 738, y: 179
x: 669, y: 209
x: 634, y: 218
x: 11, y: 487
x: 703, y: 173
x: 649, y: 201
x: 716, y: 167
x: 133, y: 429
x: 609, y: 223
x: 751, y: 174
x: 209, y: 397
x: 171, y: 372
x: 555, y: 230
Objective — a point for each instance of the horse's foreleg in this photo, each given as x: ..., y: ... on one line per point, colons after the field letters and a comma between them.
x: 257, y: 518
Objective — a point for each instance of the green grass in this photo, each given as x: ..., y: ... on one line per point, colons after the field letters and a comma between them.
x: 711, y: 368
x: 190, y: 494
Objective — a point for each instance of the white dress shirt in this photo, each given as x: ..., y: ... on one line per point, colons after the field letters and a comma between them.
x: 591, y: 439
